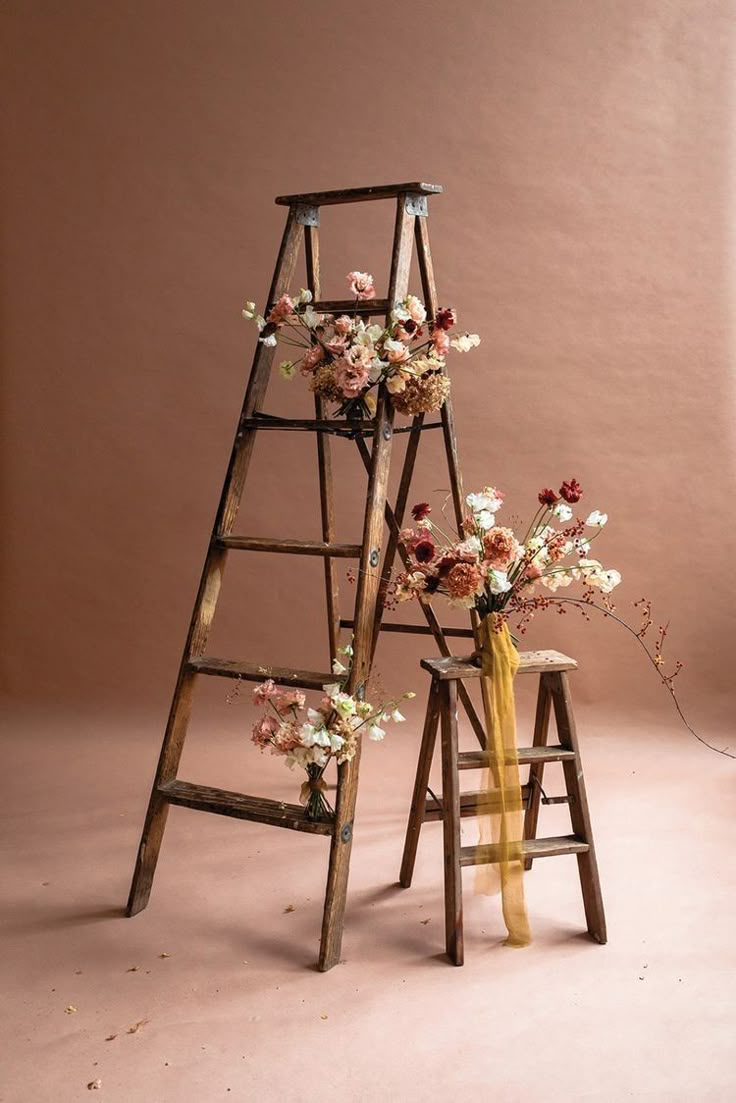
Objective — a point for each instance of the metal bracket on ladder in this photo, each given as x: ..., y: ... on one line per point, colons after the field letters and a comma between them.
x: 302, y: 225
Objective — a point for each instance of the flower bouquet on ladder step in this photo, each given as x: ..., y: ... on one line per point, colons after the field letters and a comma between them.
x: 312, y: 737
x: 345, y: 360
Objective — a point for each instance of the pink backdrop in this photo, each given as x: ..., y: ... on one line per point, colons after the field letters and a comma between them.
x: 586, y: 233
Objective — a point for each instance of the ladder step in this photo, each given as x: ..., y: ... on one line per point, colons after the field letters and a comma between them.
x: 416, y: 629
x: 471, y: 804
x: 241, y: 807
x: 291, y: 547
x: 452, y: 667
x: 476, y: 760
x: 350, y: 306
x: 531, y: 848
x: 357, y: 195
x: 338, y: 426
x: 255, y: 672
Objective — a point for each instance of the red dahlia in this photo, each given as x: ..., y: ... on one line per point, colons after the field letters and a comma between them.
x: 547, y: 498
x: 421, y: 510
x: 424, y: 551
x: 571, y: 491
x: 445, y: 318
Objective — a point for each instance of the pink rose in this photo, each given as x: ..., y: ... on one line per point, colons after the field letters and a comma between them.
x: 264, y: 692
x: 350, y: 377
x: 311, y: 358
x: 361, y: 285
x: 280, y: 310
x: 441, y: 342
x: 337, y: 345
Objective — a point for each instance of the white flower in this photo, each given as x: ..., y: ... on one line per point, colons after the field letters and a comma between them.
x: 582, y: 547
x: 465, y: 342
x: 559, y: 578
x: 376, y: 733
x: 562, y: 511
x: 498, y: 582
x: 343, y: 704
x: 269, y: 341
x: 310, y: 318
x: 609, y: 580
x: 397, y: 717
x: 331, y: 690
x: 336, y: 741
x: 337, y: 667
x: 315, y: 717
x: 485, y: 520
x: 488, y: 498
x: 471, y: 545
x: 346, y: 650
x: 396, y: 383
x: 249, y: 311
x: 596, y: 519
x: 400, y: 313
x: 302, y: 298
x: 287, y: 370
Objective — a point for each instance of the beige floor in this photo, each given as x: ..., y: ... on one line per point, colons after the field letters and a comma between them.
x: 218, y: 972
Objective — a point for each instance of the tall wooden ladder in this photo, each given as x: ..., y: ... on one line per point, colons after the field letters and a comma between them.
x: 302, y: 225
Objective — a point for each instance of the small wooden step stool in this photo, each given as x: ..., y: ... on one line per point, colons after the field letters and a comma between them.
x: 554, y: 690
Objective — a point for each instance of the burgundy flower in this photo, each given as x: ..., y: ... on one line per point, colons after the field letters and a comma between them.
x: 424, y: 550
x: 445, y: 318
x: 547, y: 498
x: 571, y: 491
x: 421, y: 510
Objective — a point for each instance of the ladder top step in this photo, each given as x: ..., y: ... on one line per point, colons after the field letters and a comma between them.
x: 530, y: 848
x: 256, y: 672
x: 476, y: 760
x: 531, y: 662
x: 259, y: 809
x: 357, y: 195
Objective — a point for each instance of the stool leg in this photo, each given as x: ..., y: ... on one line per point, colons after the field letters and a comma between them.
x: 421, y: 781
x: 536, y: 770
x: 579, y: 812
x: 451, y: 824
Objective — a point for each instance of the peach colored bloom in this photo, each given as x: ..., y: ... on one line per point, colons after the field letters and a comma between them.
x: 463, y: 581
x: 441, y: 342
x: 288, y: 699
x: 311, y: 358
x: 343, y: 324
x: 280, y: 310
x: 337, y: 345
x: 264, y: 731
x: 361, y: 285
x: 265, y: 692
x: 351, y: 378
x: 415, y: 306
x: 396, y: 352
x: 500, y: 547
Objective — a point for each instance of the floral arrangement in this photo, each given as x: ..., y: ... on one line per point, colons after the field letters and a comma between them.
x: 344, y: 359
x: 312, y: 737
x: 492, y: 570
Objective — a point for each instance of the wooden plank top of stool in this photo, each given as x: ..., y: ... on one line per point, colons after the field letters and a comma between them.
x: 531, y: 662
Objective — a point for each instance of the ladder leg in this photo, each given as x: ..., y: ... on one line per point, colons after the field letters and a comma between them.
x: 324, y: 461
x: 579, y: 812
x: 536, y: 770
x: 207, y: 594
x: 451, y: 824
x: 368, y: 579
x: 421, y: 781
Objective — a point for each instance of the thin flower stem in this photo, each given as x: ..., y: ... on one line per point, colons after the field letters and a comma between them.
x: 619, y: 620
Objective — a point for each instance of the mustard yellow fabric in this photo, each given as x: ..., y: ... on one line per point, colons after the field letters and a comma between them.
x: 502, y: 818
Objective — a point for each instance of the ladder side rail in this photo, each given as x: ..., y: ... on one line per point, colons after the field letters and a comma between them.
x: 206, y: 599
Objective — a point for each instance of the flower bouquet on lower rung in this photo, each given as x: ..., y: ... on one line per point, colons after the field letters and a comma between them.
x: 313, y: 737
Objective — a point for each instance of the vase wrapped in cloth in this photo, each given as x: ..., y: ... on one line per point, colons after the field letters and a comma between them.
x: 501, y: 819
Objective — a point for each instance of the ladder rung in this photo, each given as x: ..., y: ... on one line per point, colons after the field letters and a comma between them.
x: 339, y: 426
x: 416, y: 629
x: 291, y: 547
x: 241, y: 807
x: 357, y: 195
x: 476, y: 760
x: 350, y: 306
x: 254, y: 672
x: 530, y: 848
x: 471, y: 804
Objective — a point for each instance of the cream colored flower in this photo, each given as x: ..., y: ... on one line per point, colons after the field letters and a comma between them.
x: 465, y: 342
x: 596, y: 519
x: 287, y: 370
